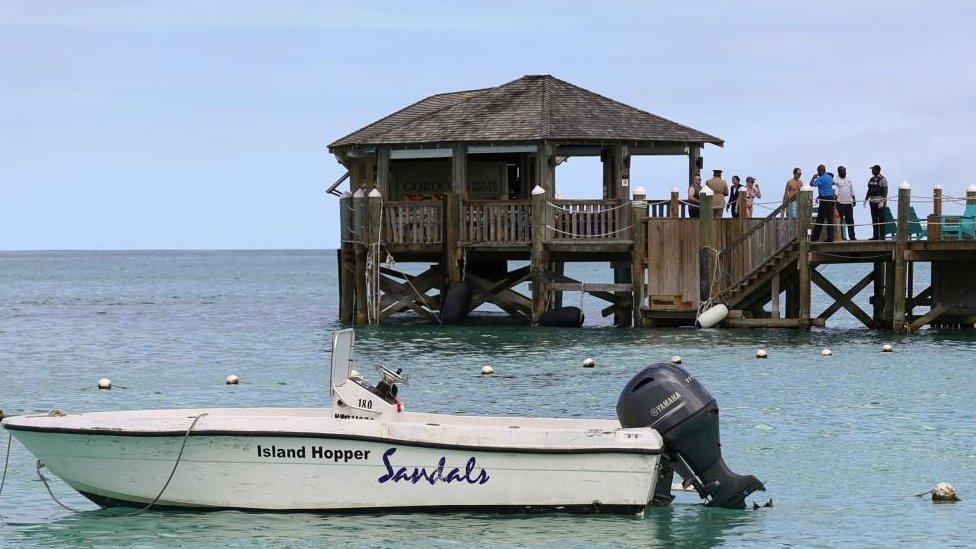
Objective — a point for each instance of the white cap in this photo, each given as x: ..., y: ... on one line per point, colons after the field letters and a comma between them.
x: 358, y: 194
x: 640, y: 190
x: 905, y: 185
x: 806, y: 187
x: 375, y: 193
x: 538, y: 190
x: 346, y: 194
x: 971, y: 188
x: 708, y: 191
x: 937, y: 187
x: 675, y: 190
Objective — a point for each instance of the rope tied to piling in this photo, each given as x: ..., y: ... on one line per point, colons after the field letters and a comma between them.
x: 577, y: 235
x: 172, y: 473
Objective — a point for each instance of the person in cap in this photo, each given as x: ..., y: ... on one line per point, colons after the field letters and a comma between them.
x: 721, y: 190
x: 733, y: 205
x: 826, y: 204
x: 752, y: 193
x: 792, y: 187
x: 877, y: 198
x: 844, y: 188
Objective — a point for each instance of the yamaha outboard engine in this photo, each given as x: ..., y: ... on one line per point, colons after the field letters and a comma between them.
x: 669, y: 399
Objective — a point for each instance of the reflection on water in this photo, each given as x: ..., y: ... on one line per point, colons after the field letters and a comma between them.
x: 844, y: 442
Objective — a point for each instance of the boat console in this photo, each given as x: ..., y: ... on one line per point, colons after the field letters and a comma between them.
x: 353, y: 397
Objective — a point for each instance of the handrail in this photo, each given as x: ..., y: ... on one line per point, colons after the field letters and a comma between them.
x: 773, y: 215
x: 735, y: 257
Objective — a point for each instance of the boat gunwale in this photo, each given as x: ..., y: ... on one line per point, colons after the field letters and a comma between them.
x: 333, y: 436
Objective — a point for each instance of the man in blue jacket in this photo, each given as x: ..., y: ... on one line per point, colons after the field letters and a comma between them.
x: 827, y: 204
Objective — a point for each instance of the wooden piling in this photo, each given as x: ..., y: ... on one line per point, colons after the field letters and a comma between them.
x: 740, y: 203
x: 639, y: 256
x: 452, y: 238
x: 674, y: 207
x: 804, y: 207
x: 774, y: 297
x: 540, y: 208
x: 934, y: 228
x: 899, y: 287
x: 374, y: 227
x: 347, y: 260
x: 706, y: 243
x: 359, y: 220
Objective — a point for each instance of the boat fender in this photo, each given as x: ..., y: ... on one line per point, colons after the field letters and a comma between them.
x: 457, y: 301
x: 712, y: 316
x: 105, y: 383
x: 563, y: 317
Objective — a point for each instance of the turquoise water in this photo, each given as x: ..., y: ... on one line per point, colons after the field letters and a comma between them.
x: 844, y: 442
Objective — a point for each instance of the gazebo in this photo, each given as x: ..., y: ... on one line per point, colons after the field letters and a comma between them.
x: 451, y: 180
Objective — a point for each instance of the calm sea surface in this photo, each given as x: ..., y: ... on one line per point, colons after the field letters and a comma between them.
x: 844, y: 442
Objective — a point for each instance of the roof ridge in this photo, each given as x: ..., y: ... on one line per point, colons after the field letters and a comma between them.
x: 452, y: 105
x: 445, y: 107
x: 415, y: 103
x: 631, y: 107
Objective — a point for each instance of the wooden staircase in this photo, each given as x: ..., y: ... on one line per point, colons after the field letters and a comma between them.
x: 745, y: 267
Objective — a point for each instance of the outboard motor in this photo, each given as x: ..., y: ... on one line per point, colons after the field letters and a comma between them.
x: 669, y: 399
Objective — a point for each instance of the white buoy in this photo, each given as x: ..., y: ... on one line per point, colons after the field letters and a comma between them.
x: 589, y: 363
x: 761, y: 353
x: 232, y: 380
x: 826, y: 352
x: 105, y: 383
x: 886, y: 348
x: 712, y: 316
x: 676, y: 359
x: 944, y: 491
x: 487, y: 370
x: 354, y: 374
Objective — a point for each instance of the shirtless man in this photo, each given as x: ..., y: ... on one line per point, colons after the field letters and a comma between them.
x: 792, y: 187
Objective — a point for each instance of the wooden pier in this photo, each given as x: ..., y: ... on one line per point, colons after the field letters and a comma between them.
x: 464, y: 185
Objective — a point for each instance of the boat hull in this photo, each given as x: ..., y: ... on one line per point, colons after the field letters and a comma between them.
x: 342, y: 473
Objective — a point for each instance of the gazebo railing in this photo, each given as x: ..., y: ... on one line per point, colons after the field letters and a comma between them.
x: 590, y: 219
x: 413, y: 222
x: 497, y: 221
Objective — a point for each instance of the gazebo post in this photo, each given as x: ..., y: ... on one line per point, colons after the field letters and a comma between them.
x: 694, y: 156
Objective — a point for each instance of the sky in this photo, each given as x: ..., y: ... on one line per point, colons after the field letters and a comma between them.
x: 204, y: 125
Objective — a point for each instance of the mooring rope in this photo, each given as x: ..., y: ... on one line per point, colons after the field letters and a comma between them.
x: 627, y: 228
x: 172, y: 473
x: 6, y: 462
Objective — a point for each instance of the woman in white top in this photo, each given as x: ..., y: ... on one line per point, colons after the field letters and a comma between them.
x: 752, y: 193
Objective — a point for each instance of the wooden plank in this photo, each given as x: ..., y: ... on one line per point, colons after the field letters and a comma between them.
x: 931, y: 316
x: 590, y: 287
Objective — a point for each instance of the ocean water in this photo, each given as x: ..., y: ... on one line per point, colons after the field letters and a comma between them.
x: 844, y: 442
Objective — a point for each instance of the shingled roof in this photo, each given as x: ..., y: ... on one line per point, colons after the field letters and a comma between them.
x: 528, y: 109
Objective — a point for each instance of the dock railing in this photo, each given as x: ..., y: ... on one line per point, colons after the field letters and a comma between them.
x: 741, y: 258
x: 590, y: 219
x: 497, y: 221
x: 413, y: 222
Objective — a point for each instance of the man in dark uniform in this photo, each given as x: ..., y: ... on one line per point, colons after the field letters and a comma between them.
x: 877, y: 198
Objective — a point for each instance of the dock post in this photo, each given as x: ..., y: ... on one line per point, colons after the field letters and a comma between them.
x: 935, y: 220
x: 347, y: 259
x: 639, y: 255
x: 899, y: 286
x: 740, y: 204
x: 539, y: 230
x: 674, y: 207
x: 804, y: 209
x: 374, y: 225
x: 706, y: 236
x: 359, y: 220
x: 971, y: 195
x: 774, y: 297
x: 452, y: 246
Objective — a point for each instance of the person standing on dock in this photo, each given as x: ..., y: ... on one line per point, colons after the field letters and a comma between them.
x: 877, y: 197
x: 845, y: 201
x: 721, y: 189
x: 826, y: 210
x: 733, y: 205
x: 752, y: 193
x: 792, y: 187
x: 694, y: 210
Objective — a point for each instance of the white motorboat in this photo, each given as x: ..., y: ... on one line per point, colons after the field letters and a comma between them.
x: 366, y: 453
